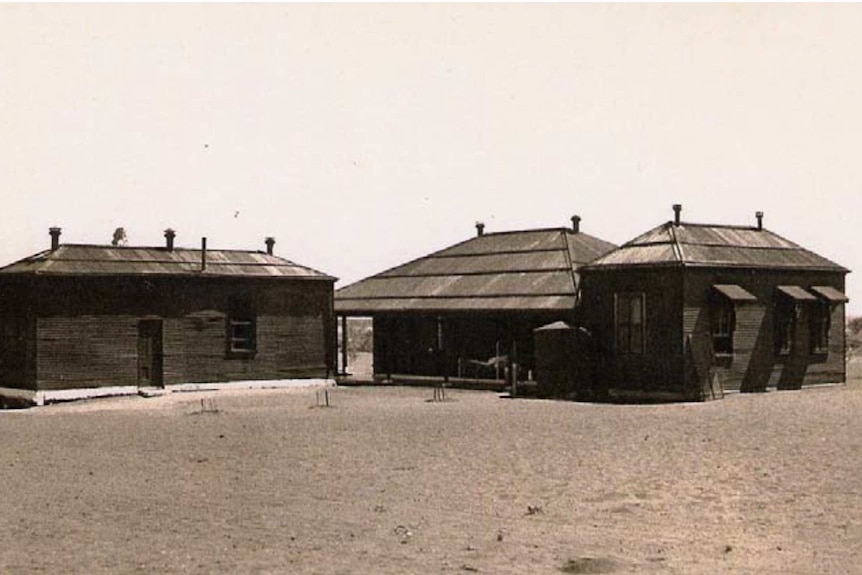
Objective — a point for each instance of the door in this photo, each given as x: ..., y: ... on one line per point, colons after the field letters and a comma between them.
x: 150, y: 353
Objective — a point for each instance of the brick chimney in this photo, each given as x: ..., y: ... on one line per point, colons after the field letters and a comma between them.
x: 677, y: 210
x: 480, y: 229
x: 169, y: 239
x: 759, y: 216
x: 55, y: 237
x: 270, y: 244
x: 576, y: 224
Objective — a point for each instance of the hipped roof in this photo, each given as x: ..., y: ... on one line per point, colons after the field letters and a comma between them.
x: 96, y: 260
x: 532, y: 270
x: 704, y: 245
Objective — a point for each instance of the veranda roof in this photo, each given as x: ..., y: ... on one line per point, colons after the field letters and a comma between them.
x: 532, y: 270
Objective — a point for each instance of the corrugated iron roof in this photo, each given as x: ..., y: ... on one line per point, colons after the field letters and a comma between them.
x: 687, y: 244
x: 734, y: 292
x: 91, y: 260
x: 517, y: 303
x: 523, y: 270
x: 796, y: 292
x: 830, y: 294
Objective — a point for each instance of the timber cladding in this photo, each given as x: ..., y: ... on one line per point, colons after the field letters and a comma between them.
x: 678, y: 356
x: 658, y: 365
x: 755, y: 364
x: 82, y: 332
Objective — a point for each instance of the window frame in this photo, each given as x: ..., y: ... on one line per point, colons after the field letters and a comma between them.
x: 785, y: 312
x: 819, y: 326
x: 240, y: 314
x: 722, y: 314
x: 625, y: 345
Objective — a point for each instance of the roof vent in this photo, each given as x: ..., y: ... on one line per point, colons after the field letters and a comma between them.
x: 270, y: 243
x: 759, y: 216
x: 203, y: 254
x: 677, y: 210
x: 576, y: 224
x: 480, y: 229
x: 169, y: 239
x: 55, y: 237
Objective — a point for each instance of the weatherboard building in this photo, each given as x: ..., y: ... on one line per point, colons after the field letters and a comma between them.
x: 689, y: 311
x: 468, y: 311
x: 88, y: 320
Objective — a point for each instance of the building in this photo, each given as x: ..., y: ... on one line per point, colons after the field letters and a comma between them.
x: 689, y: 311
x: 469, y: 310
x: 87, y: 320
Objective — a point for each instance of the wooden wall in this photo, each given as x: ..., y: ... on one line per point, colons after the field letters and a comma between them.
x: 659, y: 368
x: 754, y: 365
x: 678, y: 308
x: 86, y: 330
x: 17, y: 335
x: 86, y: 351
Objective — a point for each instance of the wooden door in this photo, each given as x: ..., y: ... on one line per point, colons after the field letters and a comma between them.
x: 150, y: 353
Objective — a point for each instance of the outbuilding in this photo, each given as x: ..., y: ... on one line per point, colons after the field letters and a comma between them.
x: 469, y: 311
x: 88, y: 320
x: 690, y: 311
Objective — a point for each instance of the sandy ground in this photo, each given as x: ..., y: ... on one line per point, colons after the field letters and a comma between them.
x: 386, y: 481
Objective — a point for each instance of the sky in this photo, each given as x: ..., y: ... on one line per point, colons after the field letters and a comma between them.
x: 362, y: 136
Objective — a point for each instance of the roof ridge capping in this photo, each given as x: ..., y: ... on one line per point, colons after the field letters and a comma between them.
x: 158, y: 247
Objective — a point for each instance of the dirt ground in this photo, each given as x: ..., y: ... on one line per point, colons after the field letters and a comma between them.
x: 387, y: 481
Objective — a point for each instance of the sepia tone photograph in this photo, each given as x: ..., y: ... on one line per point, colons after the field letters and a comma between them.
x: 322, y: 288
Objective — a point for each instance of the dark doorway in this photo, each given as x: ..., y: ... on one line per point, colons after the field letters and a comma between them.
x: 150, y: 353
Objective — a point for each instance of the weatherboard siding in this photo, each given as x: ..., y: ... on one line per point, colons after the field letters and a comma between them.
x: 86, y: 351
x: 103, y: 351
x: 754, y: 364
x: 86, y: 333
x: 17, y: 335
x: 17, y: 353
x: 287, y: 347
x: 659, y: 368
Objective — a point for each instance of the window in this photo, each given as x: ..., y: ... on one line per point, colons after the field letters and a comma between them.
x: 785, y: 326
x: 723, y: 322
x: 630, y: 323
x: 241, y: 332
x: 820, y: 322
x: 722, y: 309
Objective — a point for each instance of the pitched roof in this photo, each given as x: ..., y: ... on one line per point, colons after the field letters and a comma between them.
x: 522, y: 270
x: 96, y: 260
x: 687, y: 244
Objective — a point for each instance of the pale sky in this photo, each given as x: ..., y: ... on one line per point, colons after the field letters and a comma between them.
x: 362, y: 136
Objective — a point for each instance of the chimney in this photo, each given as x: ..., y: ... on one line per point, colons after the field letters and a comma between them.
x: 576, y: 224
x: 759, y: 216
x: 480, y: 229
x: 270, y: 243
x: 55, y: 237
x: 203, y: 254
x: 169, y: 239
x: 677, y: 210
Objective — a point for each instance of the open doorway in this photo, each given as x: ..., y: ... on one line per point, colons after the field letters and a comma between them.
x: 150, y: 353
